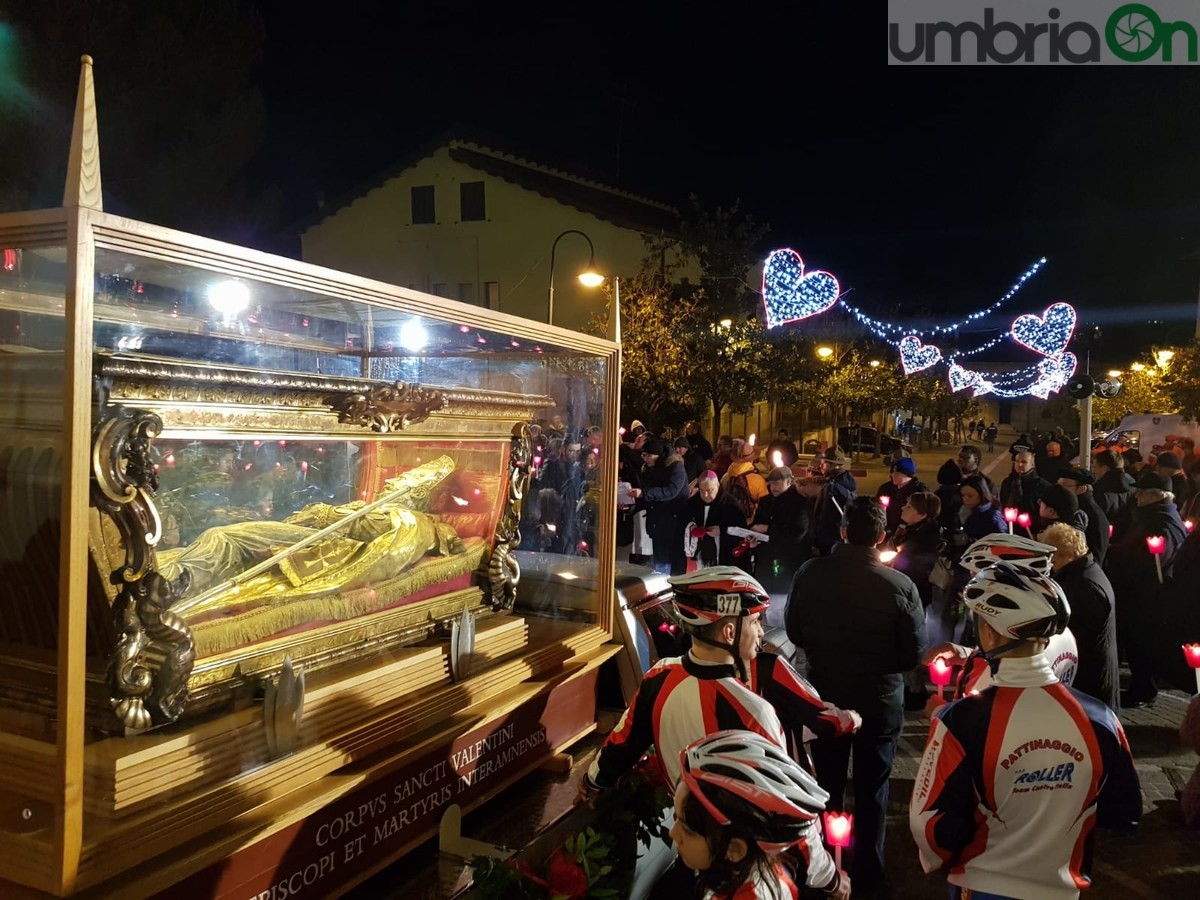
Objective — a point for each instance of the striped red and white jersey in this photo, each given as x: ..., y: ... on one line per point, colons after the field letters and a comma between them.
x: 1062, y: 652
x: 795, y: 701
x: 758, y: 888
x: 1013, y: 781
x: 679, y: 701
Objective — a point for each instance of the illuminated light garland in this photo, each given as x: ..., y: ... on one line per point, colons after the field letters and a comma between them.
x: 791, y: 294
x: 887, y: 331
x: 915, y: 356
x: 1049, y: 334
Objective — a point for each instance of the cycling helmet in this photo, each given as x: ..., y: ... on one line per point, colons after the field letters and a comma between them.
x: 1017, y: 602
x: 709, y: 595
x: 1009, y: 548
x: 744, y: 780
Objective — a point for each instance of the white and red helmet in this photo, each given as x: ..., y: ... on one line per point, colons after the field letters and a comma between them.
x: 1018, y: 602
x: 744, y: 780
x: 1009, y: 548
x: 709, y: 595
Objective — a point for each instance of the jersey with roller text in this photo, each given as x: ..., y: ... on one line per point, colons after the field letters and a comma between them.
x: 1013, y: 781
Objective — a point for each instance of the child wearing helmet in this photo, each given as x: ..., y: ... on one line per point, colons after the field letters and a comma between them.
x: 744, y: 814
x: 1026, y: 763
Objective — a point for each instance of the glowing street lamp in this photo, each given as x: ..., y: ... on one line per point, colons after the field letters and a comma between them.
x: 1138, y: 367
x: 1163, y: 358
x: 589, y: 277
x: 824, y: 352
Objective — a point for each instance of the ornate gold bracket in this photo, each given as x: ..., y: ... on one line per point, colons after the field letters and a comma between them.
x: 503, y: 570
x: 387, y: 408
x: 149, y: 668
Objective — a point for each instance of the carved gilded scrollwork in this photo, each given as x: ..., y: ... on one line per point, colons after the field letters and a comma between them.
x: 124, y: 479
x: 387, y: 408
x: 503, y: 569
x: 149, y: 669
x: 150, y: 665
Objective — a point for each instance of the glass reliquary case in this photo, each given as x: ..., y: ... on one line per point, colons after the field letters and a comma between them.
x: 260, y: 523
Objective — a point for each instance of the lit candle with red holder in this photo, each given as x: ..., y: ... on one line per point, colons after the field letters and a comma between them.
x: 885, y: 500
x: 1157, y: 545
x: 1189, y: 525
x: 837, y: 833
x: 1191, y: 652
x: 941, y: 673
x: 1025, y: 520
x: 1110, y: 529
x: 1010, y: 516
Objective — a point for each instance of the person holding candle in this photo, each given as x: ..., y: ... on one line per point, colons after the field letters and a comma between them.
x: 745, y: 813
x: 1023, y: 487
x: 981, y: 516
x: 862, y: 626
x: 1014, y: 779
x: 976, y: 668
x: 1133, y: 569
x: 1113, y: 488
x: 902, y: 483
x: 918, y: 543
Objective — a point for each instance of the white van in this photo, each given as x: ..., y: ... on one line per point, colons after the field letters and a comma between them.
x: 1148, y: 433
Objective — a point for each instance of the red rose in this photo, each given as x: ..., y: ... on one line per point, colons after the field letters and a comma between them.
x: 565, y: 876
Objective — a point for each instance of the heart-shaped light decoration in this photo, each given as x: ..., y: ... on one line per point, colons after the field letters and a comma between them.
x: 915, y: 356
x: 1053, y: 374
x: 961, y: 378
x: 1048, y: 335
x: 791, y: 294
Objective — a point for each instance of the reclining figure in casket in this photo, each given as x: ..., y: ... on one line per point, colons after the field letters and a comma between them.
x: 315, y: 573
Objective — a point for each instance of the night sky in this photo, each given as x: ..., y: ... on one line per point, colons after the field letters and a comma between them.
x: 920, y: 187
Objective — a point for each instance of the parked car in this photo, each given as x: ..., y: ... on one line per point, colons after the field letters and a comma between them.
x: 852, y: 438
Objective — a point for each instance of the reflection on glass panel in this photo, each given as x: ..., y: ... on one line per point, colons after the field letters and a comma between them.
x: 32, y: 296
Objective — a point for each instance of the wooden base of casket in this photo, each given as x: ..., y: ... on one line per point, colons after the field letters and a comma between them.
x: 204, y: 811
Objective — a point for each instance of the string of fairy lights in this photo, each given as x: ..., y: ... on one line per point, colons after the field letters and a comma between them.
x: 791, y: 294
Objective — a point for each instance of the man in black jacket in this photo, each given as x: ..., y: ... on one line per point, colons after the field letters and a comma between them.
x: 1113, y: 488
x: 901, y: 484
x: 1023, y: 488
x: 1134, y: 575
x: 862, y: 625
x: 1079, y: 483
x: 786, y: 519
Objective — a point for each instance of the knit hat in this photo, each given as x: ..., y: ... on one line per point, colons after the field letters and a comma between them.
x: 905, y: 465
x: 1064, y: 502
x: 654, y: 446
x: 1169, y: 460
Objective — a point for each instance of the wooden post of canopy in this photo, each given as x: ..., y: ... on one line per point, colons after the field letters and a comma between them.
x: 81, y: 195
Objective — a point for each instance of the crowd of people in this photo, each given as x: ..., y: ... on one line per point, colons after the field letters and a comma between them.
x: 1032, y: 589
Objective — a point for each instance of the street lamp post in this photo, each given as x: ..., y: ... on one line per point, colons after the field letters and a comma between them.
x: 589, y: 277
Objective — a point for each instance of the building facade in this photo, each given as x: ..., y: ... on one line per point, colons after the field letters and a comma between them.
x: 467, y: 222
